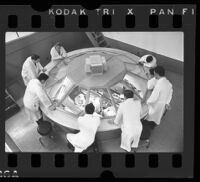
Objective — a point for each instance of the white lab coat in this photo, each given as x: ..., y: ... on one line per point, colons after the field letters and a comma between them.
x: 30, y: 70
x: 128, y: 116
x: 55, y: 55
x: 160, y: 96
x: 151, y: 83
x: 33, y: 97
x: 88, y: 125
x: 152, y: 64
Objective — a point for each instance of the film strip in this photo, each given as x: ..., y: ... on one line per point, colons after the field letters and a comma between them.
x: 155, y: 163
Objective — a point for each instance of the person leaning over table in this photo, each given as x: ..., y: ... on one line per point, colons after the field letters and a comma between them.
x: 58, y: 53
x: 128, y: 117
x: 34, y: 96
x: 160, y: 97
x: 88, y: 125
x: 31, y: 68
x: 147, y: 62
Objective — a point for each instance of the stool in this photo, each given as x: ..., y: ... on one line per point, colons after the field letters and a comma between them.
x: 44, y: 129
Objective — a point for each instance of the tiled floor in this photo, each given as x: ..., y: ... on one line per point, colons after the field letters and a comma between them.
x: 167, y: 137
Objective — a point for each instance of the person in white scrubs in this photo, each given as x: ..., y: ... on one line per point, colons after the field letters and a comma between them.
x: 148, y: 61
x: 150, y: 84
x: 58, y: 53
x: 34, y: 96
x: 128, y: 117
x: 31, y: 68
x: 160, y: 97
x: 88, y: 125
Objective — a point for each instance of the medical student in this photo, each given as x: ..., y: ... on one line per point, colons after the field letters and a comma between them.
x: 160, y: 97
x: 148, y: 61
x: 58, y: 53
x: 34, y: 96
x: 31, y: 68
x: 128, y: 117
x: 150, y: 83
x: 88, y: 125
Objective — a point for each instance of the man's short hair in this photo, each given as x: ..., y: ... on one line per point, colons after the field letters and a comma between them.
x: 89, y: 108
x: 128, y: 93
x: 160, y: 71
x: 35, y: 57
x: 43, y: 76
x: 151, y: 71
x: 149, y: 59
x: 57, y: 44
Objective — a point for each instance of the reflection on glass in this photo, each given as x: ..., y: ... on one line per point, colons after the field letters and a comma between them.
x: 73, y: 98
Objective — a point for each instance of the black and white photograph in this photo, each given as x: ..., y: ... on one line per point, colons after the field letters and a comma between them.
x: 94, y: 92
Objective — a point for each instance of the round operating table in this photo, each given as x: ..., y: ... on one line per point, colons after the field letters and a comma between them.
x: 72, y: 87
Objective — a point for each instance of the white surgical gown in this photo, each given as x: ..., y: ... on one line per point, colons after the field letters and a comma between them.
x: 128, y: 116
x: 30, y: 70
x: 55, y: 55
x: 88, y: 125
x: 33, y: 97
x: 152, y: 64
x: 160, y: 96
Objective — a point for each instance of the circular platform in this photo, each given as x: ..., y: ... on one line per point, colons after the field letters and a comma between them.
x: 119, y: 64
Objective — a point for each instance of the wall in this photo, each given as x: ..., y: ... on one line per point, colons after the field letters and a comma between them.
x: 167, y: 62
x: 39, y: 43
x: 168, y: 44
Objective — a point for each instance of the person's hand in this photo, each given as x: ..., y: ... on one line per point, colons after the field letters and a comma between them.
x: 168, y: 107
x: 52, y: 107
x: 44, y: 70
x: 141, y: 63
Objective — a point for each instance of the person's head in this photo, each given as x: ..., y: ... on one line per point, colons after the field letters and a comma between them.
x: 89, y: 108
x: 43, y: 78
x: 57, y: 46
x: 128, y: 94
x: 159, y: 72
x: 151, y: 71
x: 149, y: 59
x: 35, y: 58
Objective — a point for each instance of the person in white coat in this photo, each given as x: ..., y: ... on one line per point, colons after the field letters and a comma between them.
x: 160, y: 97
x: 88, y: 125
x: 128, y: 117
x: 34, y: 96
x: 150, y: 84
x: 147, y: 62
x: 31, y: 68
x: 58, y: 53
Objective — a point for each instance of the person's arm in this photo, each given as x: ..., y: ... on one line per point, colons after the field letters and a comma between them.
x: 170, y: 96
x: 119, y: 116
x: 41, y: 68
x: 42, y: 95
x: 154, y: 95
x: 63, y: 52
x: 32, y: 70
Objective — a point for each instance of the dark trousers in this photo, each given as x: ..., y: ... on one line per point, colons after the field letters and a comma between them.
x: 148, y: 126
